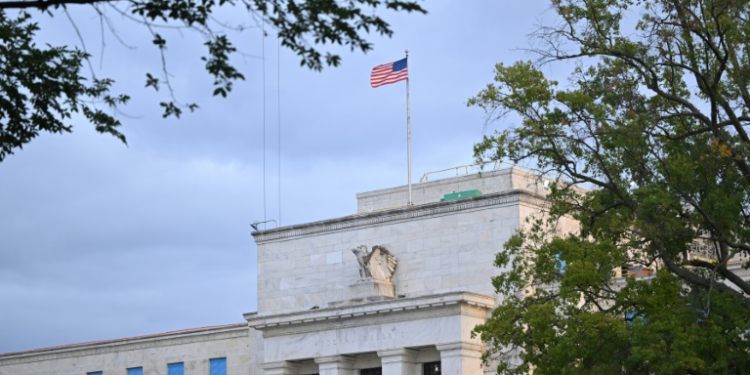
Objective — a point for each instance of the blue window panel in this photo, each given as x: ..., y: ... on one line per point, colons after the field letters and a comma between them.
x: 218, y: 366
x: 135, y: 371
x: 176, y: 368
x: 94, y: 373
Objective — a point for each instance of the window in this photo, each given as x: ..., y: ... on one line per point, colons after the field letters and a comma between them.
x: 432, y: 368
x: 560, y: 264
x: 94, y: 373
x: 371, y: 371
x: 135, y: 371
x: 176, y: 368
x: 218, y: 366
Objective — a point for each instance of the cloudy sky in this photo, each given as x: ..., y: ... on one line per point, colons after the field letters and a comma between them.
x: 100, y: 241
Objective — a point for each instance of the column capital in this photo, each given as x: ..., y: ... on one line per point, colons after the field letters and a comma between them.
x: 280, y: 368
x: 399, y: 361
x: 461, y: 358
x: 343, y: 359
x: 462, y: 348
x: 335, y: 365
x: 398, y: 354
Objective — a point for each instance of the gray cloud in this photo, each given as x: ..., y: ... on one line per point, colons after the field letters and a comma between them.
x: 99, y: 240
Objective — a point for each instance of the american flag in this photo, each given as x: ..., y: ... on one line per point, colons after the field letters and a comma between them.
x: 389, y: 73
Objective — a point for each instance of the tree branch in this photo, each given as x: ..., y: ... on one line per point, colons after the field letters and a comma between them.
x: 44, y: 4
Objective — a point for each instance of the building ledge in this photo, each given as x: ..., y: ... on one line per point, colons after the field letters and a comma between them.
x: 126, y: 343
x: 405, y: 213
x: 370, y: 309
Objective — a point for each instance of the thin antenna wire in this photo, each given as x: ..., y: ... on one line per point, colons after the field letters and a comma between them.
x: 263, y: 56
x: 278, y: 116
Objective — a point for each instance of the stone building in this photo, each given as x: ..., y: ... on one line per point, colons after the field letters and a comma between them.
x: 408, y: 307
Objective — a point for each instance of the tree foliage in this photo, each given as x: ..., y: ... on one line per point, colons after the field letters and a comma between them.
x: 653, y: 126
x: 42, y: 87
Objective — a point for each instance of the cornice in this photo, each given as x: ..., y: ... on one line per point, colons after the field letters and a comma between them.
x: 122, y: 345
x: 431, y: 184
x: 394, y: 316
x: 398, y: 310
x: 399, y: 214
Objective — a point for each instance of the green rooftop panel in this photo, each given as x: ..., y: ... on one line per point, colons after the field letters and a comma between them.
x: 461, y: 194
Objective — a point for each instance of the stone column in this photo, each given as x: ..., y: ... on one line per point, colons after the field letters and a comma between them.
x: 461, y: 358
x: 335, y: 365
x: 280, y: 368
x: 399, y: 361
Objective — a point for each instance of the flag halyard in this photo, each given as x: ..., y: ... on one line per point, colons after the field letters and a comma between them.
x: 389, y: 73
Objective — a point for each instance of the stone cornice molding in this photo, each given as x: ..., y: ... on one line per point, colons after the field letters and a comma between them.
x: 122, y: 345
x: 280, y: 365
x: 447, y: 304
x: 395, y: 316
x: 460, y: 349
x: 398, y: 355
x: 431, y: 184
x: 399, y: 215
x: 345, y: 360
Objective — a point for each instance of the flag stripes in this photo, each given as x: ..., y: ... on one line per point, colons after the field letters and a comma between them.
x: 389, y: 73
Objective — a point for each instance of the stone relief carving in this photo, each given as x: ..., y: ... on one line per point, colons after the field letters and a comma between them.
x: 378, y: 264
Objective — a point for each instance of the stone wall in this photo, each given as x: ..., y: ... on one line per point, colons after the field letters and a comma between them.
x: 488, y: 182
x: 441, y: 247
x: 193, y: 347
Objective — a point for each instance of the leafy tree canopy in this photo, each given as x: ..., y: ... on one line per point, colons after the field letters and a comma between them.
x: 41, y: 87
x: 653, y: 126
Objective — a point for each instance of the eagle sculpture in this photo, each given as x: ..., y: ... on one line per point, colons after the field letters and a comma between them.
x: 378, y: 264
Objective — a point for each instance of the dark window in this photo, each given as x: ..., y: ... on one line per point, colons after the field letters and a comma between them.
x: 432, y: 368
x: 371, y: 371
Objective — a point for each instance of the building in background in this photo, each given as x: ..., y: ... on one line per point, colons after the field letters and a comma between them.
x: 392, y: 289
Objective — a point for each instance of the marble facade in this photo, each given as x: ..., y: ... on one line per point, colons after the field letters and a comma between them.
x: 192, y: 347
x: 315, y: 313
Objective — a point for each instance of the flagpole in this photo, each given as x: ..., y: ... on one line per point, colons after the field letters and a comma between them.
x: 408, y: 129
